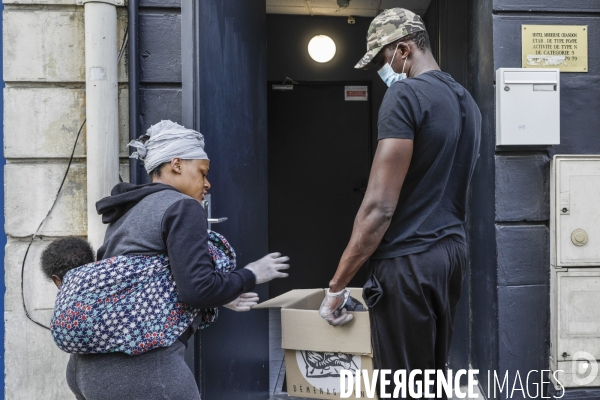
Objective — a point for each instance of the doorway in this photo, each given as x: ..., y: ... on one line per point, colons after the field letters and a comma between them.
x: 306, y: 174
x: 319, y: 147
x: 319, y: 161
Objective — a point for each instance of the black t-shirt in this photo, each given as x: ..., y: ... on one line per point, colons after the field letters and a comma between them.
x: 442, y: 119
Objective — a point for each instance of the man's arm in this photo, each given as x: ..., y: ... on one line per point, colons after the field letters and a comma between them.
x: 389, y: 169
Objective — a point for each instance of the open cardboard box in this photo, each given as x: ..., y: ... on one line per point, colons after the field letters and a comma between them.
x: 315, y: 351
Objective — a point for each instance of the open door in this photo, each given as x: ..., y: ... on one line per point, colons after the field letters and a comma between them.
x: 224, y: 97
x: 319, y: 162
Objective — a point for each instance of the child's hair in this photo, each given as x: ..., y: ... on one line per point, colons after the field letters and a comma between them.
x: 65, y: 254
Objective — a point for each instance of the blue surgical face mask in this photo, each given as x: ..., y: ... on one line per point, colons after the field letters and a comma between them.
x: 388, y: 74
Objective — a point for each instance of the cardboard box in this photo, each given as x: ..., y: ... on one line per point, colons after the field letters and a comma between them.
x: 315, y: 351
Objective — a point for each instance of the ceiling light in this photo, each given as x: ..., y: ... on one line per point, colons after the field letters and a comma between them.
x: 321, y: 48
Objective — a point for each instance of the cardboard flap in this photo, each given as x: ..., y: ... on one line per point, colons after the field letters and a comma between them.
x: 306, y: 330
x: 287, y: 298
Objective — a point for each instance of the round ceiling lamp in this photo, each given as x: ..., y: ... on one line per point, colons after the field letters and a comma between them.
x: 321, y: 48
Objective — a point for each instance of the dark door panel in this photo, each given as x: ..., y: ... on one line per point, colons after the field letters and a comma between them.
x: 224, y: 90
x: 318, y: 168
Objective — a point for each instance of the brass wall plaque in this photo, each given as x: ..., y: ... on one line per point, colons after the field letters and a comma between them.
x: 555, y: 46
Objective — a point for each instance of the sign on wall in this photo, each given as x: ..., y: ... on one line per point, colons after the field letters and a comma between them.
x: 555, y: 46
x: 356, y: 93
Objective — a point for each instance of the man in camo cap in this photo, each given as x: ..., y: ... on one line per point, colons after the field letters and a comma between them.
x: 387, y: 27
x: 410, y: 226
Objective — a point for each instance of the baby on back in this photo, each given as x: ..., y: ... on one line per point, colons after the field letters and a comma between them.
x: 63, y: 255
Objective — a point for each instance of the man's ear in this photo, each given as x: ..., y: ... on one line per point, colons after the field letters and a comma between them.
x: 57, y: 281
x: 404, y: 49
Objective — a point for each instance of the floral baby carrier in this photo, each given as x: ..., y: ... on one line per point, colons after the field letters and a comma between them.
x: 128, y: 304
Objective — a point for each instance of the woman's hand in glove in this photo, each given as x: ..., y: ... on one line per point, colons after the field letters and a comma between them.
x: 269, y: 267
x: 331, y: 308
x: 243, y: 303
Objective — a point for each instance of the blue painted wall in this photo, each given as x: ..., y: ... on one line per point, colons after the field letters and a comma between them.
x: 3, y: 236
x: 510, y: 193
x: 522, y: 184
x: 233, y: 118
x: 159, y: 60
x: 482, y: 247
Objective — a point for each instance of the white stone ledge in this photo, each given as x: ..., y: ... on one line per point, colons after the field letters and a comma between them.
x: 48, y: 45
x: 43, y: 122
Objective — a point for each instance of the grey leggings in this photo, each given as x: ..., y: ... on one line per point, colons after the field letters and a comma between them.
x: 158, y: 374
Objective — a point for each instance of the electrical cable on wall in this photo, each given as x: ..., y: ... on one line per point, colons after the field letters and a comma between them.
x: 120, y: 55
x: 40, y: 226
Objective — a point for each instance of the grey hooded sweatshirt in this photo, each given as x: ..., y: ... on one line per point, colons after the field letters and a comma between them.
x: 156, y: 219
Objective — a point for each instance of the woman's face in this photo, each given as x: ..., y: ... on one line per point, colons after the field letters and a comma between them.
x: 193, y: 179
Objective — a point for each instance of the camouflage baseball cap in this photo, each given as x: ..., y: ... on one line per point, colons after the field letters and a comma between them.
x: 386, y: 28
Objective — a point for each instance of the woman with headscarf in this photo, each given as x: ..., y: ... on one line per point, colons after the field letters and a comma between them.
x: 166, y: 217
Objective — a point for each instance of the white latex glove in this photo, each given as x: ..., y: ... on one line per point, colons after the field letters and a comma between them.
x: 269, y: 267
x: 243, y: 303
x: 331, y: 308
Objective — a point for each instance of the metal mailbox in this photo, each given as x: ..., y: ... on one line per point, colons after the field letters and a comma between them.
x: 527, y: 106
x: 575, y: 270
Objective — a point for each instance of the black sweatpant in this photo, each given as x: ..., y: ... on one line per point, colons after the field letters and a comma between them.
x: 411, y: 325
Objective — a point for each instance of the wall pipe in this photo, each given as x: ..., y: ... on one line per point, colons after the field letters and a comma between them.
x: 134, y: 86
x: 102, y: 111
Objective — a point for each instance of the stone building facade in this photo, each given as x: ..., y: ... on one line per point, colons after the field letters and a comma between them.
x: 44, y: 107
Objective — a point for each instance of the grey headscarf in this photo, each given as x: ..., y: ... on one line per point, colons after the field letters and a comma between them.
x: 167, y: 141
